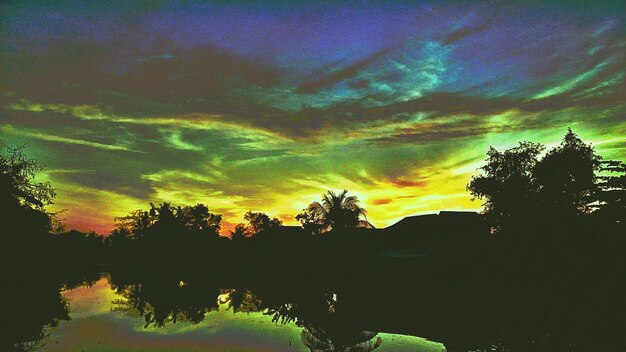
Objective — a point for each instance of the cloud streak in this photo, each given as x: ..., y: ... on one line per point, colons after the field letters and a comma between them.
x: 264, y: 107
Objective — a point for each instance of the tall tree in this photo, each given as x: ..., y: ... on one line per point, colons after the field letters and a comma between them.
x: 517, y: 186
x: 507, y: 183
x: 566, y: 176
x: 23, y: 200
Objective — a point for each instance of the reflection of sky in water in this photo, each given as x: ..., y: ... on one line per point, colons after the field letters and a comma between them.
x: 95, y: 326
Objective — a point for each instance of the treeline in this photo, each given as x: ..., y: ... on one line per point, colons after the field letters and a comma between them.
x: 192, y: 233
x: 521, y: 187
x: 529, y: 195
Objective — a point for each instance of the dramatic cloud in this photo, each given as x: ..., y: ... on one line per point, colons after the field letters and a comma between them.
x: 265, y: 106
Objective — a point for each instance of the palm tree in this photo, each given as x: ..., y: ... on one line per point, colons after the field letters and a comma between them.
x: 337, y: 211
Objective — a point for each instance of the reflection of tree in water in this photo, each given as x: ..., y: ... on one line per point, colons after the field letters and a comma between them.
x: 160, y: 301
x: 241, y: 301
x: 318, y: 340
x: 35, y: 305
x: 326, y: 327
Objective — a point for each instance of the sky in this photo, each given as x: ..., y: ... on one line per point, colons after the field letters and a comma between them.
x: 264, y: 106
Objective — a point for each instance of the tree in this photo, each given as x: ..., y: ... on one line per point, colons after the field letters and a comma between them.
x: 133, y: 225
x: 507, y: 184
x: 311, y: 221
x: 239, y: 232
x: 17, y: 173
x: 166, y: 224
x: 22, y: 199
x: 566, y: 176
x: 259, y: 222
x: 167, y: 221
x: 337, y: 211
x: 118, y: 237
x: 517, y: 186
x: 611, y: 191
x: 198, y: 220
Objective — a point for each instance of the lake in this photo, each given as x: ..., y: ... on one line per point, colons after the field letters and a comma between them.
x: 247, y: 303
x: 174, y: 315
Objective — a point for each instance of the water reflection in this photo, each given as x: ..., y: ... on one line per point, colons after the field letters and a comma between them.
x: 31, y: 306
x: 74, y: 308
x: 34, y: 305
x: 124, y: 310
x: 160, y: 309
x: 324, y: 328
x: 162, y: 300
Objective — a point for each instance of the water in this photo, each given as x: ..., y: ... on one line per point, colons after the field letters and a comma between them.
x: 106, y: 315
x: 157, y: 303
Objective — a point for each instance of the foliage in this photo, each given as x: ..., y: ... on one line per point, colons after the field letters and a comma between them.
x: 17, y: 173
x: 259, y: 222
x: 22, y: 199
x: 167, y: 221
x: 337, y: 211
x: 517, y: 185
x: 240, y: 232
x: 566, y: 177
x: 311, y: 221
x: 611, y: 191
x: 132, y: 225
x: 507, y: 184
x: 197, y: 219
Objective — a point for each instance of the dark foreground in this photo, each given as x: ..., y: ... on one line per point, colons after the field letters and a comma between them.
x: 536, y: 294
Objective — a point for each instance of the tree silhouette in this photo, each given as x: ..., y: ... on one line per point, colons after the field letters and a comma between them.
x: 166, y: 226
x: 311, y: 221
x: 133, y: 225
x: 337, y: 211
x: 611, y: 192
x: 197, y: 220
x: 566, y: 176
x: 259, y: 222
x: 239, y: 232
x: 17, y: 173
x: 165, y: 222
x: 507, y: 184
x: 569, y: 181
x: 22, y: 199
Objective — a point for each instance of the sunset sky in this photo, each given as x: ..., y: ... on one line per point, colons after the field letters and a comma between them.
x: 265, y: 105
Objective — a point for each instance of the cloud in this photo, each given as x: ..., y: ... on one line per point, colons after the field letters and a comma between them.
x: 382, y: 201
x: 175, y: 139
x: 343, y: 73
x: 163, y: 78
x: 256, y: 107
x: 408, y: 183
x: 463, y: 32
x: 9, y: 129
